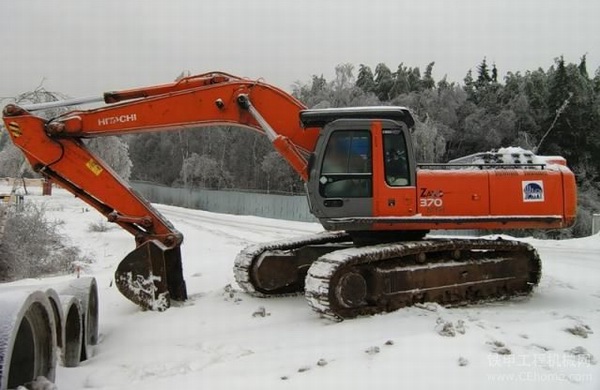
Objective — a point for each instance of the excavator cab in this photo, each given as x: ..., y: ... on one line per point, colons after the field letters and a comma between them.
x: 363, y: 166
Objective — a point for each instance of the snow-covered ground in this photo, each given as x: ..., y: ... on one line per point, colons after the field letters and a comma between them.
x: 550, y: 340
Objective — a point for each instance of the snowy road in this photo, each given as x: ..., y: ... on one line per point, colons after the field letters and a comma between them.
x: 246, y: 229
x: 214, y: 341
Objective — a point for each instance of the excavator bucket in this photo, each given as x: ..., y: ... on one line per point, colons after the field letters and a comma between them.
x: 151, y: 275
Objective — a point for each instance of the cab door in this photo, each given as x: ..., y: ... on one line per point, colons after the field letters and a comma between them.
x: 394, y: 172
x: 341, y: 175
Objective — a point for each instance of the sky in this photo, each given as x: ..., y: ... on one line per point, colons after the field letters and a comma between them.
x: 85, y: 47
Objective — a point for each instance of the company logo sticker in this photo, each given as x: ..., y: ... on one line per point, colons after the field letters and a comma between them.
x: 533, y: 191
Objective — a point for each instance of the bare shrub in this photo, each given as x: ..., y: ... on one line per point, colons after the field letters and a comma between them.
x: 99, y: 226
x: 32, y: 246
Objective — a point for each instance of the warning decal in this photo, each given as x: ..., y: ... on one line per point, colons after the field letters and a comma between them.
x: 15, y: 129
x: 94, y: 167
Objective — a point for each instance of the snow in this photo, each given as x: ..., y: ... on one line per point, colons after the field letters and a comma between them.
x: 40, y: 383
x: 512, y: 155
x: 215, y: 340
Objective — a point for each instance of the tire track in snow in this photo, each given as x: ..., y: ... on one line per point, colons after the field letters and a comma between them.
x: 241, y: 231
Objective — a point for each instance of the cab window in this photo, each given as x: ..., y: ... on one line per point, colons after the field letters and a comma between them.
x: 395, y: 159
x: 346, y: 169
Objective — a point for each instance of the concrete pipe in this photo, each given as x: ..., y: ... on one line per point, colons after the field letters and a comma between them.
x: 86, y: 290
x: 72, y: 330
x: 27, y: 338
x: 57, y: 312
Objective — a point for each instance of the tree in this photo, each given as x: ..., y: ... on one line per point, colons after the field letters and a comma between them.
x: 444, y: 84
x: 408, y: 80
x: 41, y: 95
x: 344, y: 90
x: 485, y: 89
x: 344, y: 77
x: 583, y: 67
x: 4, y: 138
x: 280, y: 176
x: 365, y: 80
x: 484, y: 131
x: 317, y: 94
x: 428, y: 82
x: 494, y: 76
x: 428, y: 142
x: 483, y: 76
x: 384, y: 82
x: 571, y: 115
x: 155, y: 157
x: 12, y: 162
x: 414, y: 79
x: 205, y: 172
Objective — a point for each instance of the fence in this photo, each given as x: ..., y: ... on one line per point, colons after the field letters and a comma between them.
x: 289, y: 207
x: 10, y: 182
x: 595, y: 223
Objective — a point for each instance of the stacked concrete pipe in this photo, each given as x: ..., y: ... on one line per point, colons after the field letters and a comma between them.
x: 37, y: 321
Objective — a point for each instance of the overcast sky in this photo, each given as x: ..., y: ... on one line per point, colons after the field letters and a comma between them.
x: 85, y: 47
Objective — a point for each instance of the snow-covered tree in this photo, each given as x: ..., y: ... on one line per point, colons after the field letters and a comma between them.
x: 41, y: 95
x: 280, y: 176
x: 204, y: 171
x: 429, y: 145
x: 365, y: 80
x: 384, y: 82
x: 11, y: 161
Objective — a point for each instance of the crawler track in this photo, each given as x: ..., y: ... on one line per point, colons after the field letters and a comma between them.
x: 341, y: 280
x: 250, y: 262
x: 383, y: 278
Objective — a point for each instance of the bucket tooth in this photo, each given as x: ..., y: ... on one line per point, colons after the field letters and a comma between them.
x: 151, y: 275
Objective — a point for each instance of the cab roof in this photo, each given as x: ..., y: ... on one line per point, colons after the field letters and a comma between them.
x: 321, y: 117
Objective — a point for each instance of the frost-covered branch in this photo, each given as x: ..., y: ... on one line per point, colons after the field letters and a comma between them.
x: 559, y: 112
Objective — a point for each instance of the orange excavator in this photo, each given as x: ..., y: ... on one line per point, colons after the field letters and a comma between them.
x: 363, y: 184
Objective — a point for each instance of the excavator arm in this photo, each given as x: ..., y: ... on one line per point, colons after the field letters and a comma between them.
x: 151, y: 275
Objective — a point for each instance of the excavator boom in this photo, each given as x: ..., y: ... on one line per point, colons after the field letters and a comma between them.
x: 151, y: 275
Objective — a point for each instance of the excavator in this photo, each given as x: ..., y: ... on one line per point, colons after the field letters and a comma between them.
x: 375, y: 202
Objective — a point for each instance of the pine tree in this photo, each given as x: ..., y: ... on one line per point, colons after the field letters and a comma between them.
x: 365, y: 80
x: 571, y: 120
x: 401, y: 81
x: 414, y: 79
x: 494, y: 77
x: 483, y: 76
x: 469, y: 86
x: 583, y: 67
x: 384, y: 82
x: 428, y: 82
